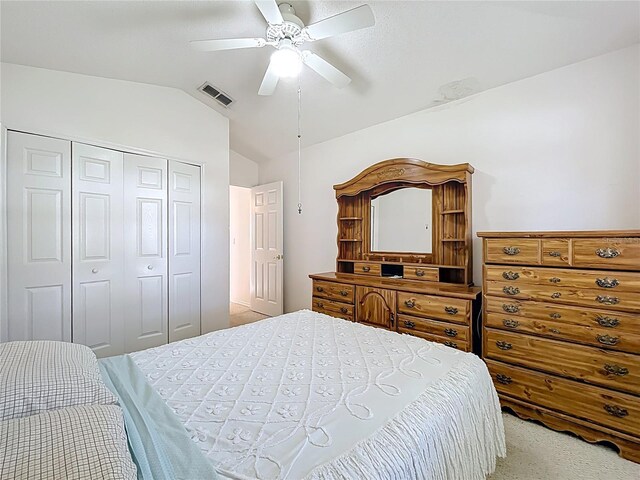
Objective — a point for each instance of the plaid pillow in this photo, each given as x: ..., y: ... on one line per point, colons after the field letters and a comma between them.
x: 83, y: 442
x: 44, y: 375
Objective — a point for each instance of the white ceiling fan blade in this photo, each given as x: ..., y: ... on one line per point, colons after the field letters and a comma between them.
x: 355, y: 19
x: 325, y: 69
x: 270, y: 11
x: 269, y: 82
x: 227, y: 44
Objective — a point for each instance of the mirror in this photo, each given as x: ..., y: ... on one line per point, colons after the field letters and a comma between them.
x: 401, y: 221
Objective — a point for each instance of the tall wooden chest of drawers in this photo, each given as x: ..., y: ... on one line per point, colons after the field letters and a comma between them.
x: 561, y: 319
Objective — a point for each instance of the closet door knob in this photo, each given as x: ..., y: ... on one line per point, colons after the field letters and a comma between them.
x: 149, y: 267
x: 94, y: 270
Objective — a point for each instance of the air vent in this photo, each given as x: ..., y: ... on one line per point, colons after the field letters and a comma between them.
x: 220, y: 97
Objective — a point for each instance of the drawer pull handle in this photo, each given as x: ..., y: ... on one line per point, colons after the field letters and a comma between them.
x: 511, y: 250
x: 616, y: 411
x: 409, y: 324
x: 607, y: 300
x: 555, y: 280
x: 419, y: 273
x: 503, y: 345
x: 510, y: 308
x: 607, y: 339
x: 555, y: 253
x: 555, y: 315
x: 366, y: 269
x: 608, y: 322
x: 616, y: 370
x: 449, y: 343
x: 320, y: 289
x: 607, y: 252
x: 451, y: 310
x: 344, y: 310
x: 510, y: 275
x: 607, y: 282
x: 320, y: 304
x: 510, y: 323
x: 556, y: 295
x: 511, y: 290
x: 451, y: 332
x: 410, y: 303
x: 344, y: 293
x: 503, y: 379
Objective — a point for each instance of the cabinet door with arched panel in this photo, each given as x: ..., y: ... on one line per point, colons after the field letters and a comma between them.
x: 376, y: 306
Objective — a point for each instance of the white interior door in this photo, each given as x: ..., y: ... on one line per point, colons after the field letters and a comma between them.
x: 184, y: 251
x: 98, y: 257
x: 145, y: 240
x: 266, y: 249
x: 39, y: 237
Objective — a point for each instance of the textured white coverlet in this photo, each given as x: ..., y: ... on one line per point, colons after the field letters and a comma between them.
x: 305, y: 395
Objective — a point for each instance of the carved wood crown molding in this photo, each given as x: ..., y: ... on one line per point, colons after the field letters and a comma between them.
x: 405, y: 170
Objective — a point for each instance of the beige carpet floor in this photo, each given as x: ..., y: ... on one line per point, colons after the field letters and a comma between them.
x: 534, y: 452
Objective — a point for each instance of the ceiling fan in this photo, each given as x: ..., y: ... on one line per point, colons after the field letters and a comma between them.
x: 287, y: 33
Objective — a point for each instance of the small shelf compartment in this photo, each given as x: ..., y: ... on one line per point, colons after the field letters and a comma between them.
x: 451, y: 212
x: 344, y: 219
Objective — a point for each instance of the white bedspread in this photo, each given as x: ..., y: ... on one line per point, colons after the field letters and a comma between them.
x: 305, y: 395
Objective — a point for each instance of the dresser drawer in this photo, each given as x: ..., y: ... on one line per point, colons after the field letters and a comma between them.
x: 512, y: 250
x: 454, y: 331
x: 421, y: 273
x: 614, y: 253
x: 606, y: 282
x: 367, y: 269
x: 605, y: 407
x: 627, y: 301
x: 334, y: 291
x: 333, y: 308
x: 449, y: 342
x: 601, y: 367
x: 555, y: 252
x: 449, y: 309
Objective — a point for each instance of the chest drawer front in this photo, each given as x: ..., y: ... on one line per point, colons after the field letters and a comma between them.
x: 334, y: 291
x: 333, y: 308
x: 421, y: 273
x: 605, y: 407
x: 617, y: 253
x: 606, y: 282
x: 600, y: 367
x: 367, y: 269
x: 449, y: 309
x: 555, y: 252
x: 449, y: 342
x: 453, y: 331
x: 512, y: 250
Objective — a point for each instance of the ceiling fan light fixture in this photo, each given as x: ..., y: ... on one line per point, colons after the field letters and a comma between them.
x: 286, y: 61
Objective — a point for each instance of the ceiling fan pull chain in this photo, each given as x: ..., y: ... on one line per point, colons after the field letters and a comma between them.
x: 299, y: 147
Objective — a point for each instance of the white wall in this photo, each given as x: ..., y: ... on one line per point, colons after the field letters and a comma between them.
x: 242, y: 171
x: 158, y: 120
x: 556, y: 151
x: 239, y: 244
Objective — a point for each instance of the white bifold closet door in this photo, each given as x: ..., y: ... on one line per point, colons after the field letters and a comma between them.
x: 38, y: 238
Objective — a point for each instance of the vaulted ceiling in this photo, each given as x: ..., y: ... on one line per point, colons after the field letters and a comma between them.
x: 418, y: 54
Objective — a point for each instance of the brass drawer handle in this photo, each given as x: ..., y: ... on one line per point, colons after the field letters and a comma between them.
x: 503, y: 345
x: 555, y: 280
x: 607, y: 339
x: 419, y: 273
x: 555, y: 315
x: 510, y: 323
x: 451, y: 310
x: 409, y: 324
x: 510, y: 275
x: 510, y: 308
x: 366, y: 269
x: 511, y: 290
x: 556, y: 295
x: 607, y: 252
x: 451, y: 344
x: 511, y: 250
x: 320, y: 289
x: 608, y: 322
x: 344, y: 310
x: 451, y: 332
x: 344, y: 293
x: 607, y: 300
x: 410, y: 303
x: 320, y: 304
x: 503, y: 379
x: 616, y: 370
x: 607, y: 282
x: 616, y: 411
x: 555, y: 253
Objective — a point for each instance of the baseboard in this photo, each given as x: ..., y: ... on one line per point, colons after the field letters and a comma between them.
x: 244, y: 304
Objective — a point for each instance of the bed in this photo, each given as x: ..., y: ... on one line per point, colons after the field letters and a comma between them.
x: 298, y: 396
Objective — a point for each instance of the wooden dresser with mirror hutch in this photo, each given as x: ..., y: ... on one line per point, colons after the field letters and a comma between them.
x: 405, y: 252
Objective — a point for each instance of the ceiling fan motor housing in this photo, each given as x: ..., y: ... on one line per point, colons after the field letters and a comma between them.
x: 291, y: 28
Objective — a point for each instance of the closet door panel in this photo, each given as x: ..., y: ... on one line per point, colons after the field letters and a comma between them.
x: 145, y: 221
x: 39, y: 237
x: 98, y: 259
x: 184, y: 251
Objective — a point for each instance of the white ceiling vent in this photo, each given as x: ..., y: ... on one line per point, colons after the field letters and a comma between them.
x: 217, y: 94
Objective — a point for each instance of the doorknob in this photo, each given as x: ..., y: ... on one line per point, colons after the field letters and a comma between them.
x: 278, y: 257
x: 150, y: 267
x: 94, y: 270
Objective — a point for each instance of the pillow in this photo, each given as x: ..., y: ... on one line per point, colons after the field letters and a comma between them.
x: 87, y: 441
x: 44, y: 375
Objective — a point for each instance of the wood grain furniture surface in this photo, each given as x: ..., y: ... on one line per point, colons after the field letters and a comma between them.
x: 561, y: 320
